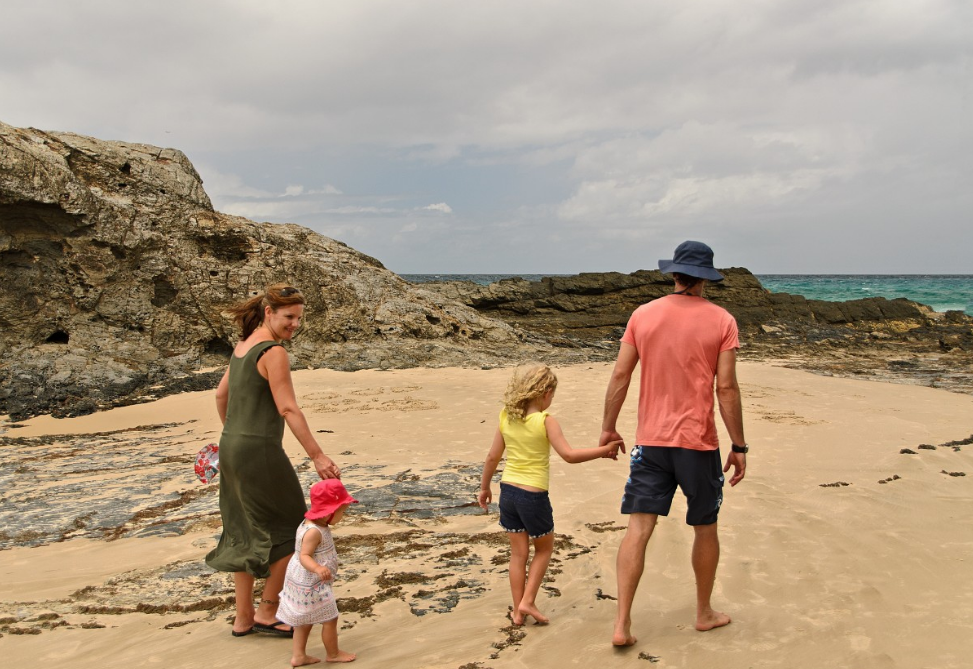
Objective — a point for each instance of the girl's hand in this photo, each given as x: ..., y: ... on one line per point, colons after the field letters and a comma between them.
x: 613, y: 448
x: 323, y: 572
x: 484, y: 498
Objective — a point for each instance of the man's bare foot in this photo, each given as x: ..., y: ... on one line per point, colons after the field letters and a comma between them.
x: 711, y: 620
x: 623, y: 636
x: 531, y: 610
x: 301, y: 660
x: 342, y: 656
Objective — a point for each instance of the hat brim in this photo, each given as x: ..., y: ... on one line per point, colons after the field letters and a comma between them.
x: 708, y: 273
x: 318, y: 512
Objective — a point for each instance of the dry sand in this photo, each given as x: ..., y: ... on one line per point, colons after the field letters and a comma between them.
x: 106, y: 529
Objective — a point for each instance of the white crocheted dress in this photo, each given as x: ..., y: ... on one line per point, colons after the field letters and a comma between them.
x: 306, y: 599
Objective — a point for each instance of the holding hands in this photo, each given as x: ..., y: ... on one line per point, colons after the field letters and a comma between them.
x: 612, y: 438
x: 326, y: 467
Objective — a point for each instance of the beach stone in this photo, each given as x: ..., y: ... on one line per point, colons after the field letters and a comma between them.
x: 117, y: 271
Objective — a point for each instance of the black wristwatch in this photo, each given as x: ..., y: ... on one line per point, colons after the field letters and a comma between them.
x: 740, y: 449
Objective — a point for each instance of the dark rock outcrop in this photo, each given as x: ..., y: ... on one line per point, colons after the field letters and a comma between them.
x: 890, y: 339
x: 115, y: 272
x: 588, y: 307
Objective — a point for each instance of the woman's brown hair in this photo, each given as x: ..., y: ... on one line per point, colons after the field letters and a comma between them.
x: 250, y: 314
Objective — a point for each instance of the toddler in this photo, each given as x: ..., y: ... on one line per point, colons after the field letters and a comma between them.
x: 307, y: 598
x: 527, y: 433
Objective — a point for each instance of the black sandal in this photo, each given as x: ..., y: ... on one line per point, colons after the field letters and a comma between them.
x: 274, y: 629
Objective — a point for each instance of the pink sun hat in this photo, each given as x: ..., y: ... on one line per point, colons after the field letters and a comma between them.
x: 328, y: 496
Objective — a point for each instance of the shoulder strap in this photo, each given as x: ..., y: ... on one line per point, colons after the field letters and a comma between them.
x: 263, y: 347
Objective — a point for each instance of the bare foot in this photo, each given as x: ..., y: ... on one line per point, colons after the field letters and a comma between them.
x: 342, y: 656
x: 531, y: 610
x: 711, y: 620
x: 623, y: 636
x: 301, y: 660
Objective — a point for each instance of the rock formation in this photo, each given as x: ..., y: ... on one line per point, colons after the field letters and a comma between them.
x: 891, y: 339
x: 588, y: 307
x: 116, y: 270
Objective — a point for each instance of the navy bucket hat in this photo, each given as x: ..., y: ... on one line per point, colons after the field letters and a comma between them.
x: 693, y: 259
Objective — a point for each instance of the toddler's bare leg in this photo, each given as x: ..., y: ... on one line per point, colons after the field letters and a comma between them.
x: 299, y: 656
x: 329, y: 637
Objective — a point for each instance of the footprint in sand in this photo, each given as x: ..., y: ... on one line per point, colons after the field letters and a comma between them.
x: 367, y: 392
x: 407, y: 404
x: 323, y: 395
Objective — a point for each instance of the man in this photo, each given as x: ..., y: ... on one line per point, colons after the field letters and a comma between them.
x: 683, y: 342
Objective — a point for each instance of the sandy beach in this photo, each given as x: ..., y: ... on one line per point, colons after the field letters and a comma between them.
x: 839, y: 550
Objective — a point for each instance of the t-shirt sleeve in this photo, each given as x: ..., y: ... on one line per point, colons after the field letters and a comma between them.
x: 629, y: 336
x: 730, y: 334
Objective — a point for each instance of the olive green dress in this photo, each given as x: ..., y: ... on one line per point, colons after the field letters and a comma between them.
x: 261, y: 500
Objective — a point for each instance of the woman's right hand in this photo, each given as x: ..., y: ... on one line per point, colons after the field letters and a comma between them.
x: 326, y: 467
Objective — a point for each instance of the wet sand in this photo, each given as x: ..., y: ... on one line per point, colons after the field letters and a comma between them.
x: 839, y: 549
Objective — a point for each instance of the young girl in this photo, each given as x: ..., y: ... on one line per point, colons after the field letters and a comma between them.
x: 307, y: 598
x: 527, y: 433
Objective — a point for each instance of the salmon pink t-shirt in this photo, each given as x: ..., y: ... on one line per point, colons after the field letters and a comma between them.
x: 678, y: 339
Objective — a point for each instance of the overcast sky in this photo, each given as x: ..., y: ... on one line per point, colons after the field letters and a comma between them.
x: 539, y: 136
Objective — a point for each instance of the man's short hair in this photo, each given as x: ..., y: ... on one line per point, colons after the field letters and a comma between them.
x: 685, y: 280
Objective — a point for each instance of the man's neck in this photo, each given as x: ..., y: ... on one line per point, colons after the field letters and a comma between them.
x: 696, y: 291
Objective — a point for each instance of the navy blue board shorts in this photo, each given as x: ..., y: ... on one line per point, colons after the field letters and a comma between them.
x: 655, y: 471
x: 525, y: 511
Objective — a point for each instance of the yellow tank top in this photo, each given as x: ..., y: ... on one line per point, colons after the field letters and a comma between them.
x: 528, y: 451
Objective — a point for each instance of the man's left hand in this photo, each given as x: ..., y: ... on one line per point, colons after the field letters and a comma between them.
x: 739, y: 463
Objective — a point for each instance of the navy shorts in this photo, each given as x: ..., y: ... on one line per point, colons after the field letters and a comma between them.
x: 525, y: 511
x: 657, y: 470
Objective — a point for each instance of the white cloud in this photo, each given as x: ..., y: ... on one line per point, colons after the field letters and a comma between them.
x: 605, y: 121
x: 440, y: 207
x: 327, y: 190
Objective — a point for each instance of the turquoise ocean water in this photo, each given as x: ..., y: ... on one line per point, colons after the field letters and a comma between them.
x: 942, y: 292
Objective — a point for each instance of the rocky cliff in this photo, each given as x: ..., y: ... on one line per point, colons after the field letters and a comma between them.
x: 115, y: 271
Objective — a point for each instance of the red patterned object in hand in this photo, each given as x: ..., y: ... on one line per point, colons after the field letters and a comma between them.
x: 208, y: 463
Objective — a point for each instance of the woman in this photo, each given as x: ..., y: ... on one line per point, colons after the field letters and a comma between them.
x: 261, y: 499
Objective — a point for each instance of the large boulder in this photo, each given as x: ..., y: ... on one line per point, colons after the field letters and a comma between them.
x: 116, y: 271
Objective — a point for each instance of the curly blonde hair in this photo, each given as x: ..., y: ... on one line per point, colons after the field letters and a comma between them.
x: 528, y: 383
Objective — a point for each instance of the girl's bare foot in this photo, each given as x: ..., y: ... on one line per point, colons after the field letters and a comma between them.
x: 342, y: 656
x: 623, y: 636
x: 301, y: 660
x: 516, y: 617
x: 711, y: 620
x: 531, y: 610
